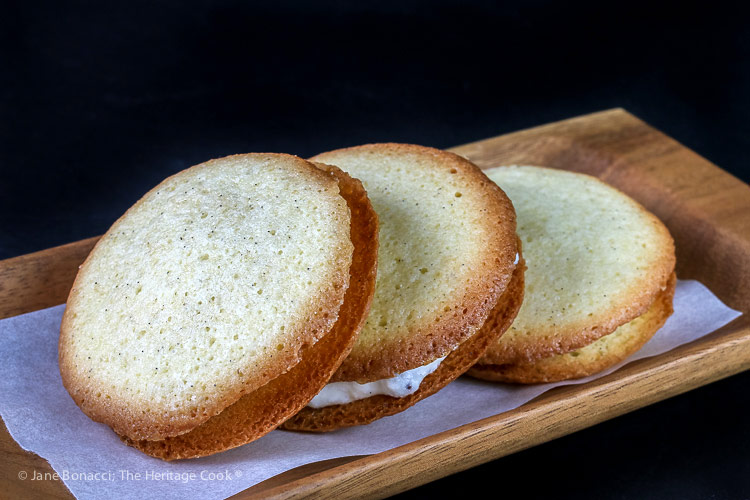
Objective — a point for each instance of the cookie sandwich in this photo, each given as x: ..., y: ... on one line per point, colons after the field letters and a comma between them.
x: 220, y: 303
x: 599, y: 279
x: 450, y: 281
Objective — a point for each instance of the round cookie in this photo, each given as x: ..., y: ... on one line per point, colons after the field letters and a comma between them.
x: 596, y: 260
x: 447, y: 263
x: 260, y: 411
x: 215, y: 284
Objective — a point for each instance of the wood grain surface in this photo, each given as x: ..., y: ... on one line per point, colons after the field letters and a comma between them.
x: 706, y: 209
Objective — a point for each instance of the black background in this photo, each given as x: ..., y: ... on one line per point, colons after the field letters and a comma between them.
x: 99, y: 102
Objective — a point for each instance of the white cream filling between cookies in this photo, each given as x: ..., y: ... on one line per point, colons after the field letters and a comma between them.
x: 517, y: 259
x: 403, y: 384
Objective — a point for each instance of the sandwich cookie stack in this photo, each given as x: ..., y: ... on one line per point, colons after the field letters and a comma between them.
x: 220, y: 303
x: 450, y: 281
x: 599, y: 279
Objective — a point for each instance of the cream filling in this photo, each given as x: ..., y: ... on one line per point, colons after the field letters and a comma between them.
x: 403, y: 384
x: 517, y: 259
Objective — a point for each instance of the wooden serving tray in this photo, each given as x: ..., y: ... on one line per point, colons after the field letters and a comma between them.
x: 706, y: 209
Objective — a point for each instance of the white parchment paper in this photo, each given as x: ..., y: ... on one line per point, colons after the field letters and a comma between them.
x: 93, y: 463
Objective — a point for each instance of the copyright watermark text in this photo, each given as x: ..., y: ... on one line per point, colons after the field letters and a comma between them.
x: 128, y: 475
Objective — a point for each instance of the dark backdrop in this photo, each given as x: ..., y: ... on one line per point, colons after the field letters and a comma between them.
x: 99, y: 101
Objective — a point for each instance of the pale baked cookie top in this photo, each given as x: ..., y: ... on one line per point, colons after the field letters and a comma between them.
x: 595, y: 259
x: 206, y: 289
x: 447, y: 252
